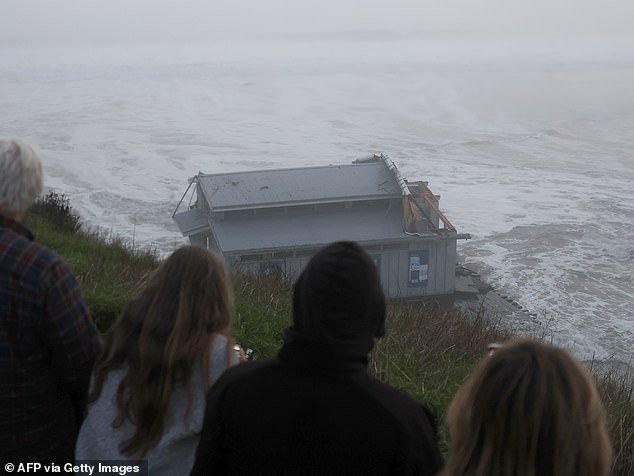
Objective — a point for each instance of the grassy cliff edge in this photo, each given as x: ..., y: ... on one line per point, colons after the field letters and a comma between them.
x: 428, y: 351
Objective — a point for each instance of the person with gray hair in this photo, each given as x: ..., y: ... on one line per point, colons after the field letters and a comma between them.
x: 48, y: 343
x: 20, y: 177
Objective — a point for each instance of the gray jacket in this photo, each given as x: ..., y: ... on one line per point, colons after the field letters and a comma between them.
x: 174, y: 454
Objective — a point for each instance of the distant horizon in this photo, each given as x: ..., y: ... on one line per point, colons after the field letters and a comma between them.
x: 380, y: 34
x: 196, y: 20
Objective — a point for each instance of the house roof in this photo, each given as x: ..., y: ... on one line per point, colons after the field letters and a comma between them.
x: 264, y: 208
x: 314, y: 229
x: 282, y: 187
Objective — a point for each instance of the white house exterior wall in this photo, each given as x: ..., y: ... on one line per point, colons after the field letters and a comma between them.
x: 394, y: 268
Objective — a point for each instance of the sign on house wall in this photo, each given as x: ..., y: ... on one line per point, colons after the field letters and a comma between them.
x: 418, y: 268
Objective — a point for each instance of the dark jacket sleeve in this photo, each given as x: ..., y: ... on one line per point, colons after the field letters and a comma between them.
x: 210, y: 451
x: 70, y: 334
x: 418, y: 453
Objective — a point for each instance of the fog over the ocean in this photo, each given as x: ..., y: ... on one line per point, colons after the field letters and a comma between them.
x: 172, y: 20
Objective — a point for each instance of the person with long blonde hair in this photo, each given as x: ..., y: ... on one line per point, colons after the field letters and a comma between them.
x: 529, y: 409
x: 160, y: 357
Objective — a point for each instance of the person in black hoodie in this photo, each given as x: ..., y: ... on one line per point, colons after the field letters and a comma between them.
x: 314, y: 409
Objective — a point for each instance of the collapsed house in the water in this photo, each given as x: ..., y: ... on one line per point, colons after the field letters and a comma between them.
x: 272, y: 221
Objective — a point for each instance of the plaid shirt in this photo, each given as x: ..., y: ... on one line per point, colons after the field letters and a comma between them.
x: 48, y: 345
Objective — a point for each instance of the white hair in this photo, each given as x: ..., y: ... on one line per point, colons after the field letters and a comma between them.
x: 20, y: 176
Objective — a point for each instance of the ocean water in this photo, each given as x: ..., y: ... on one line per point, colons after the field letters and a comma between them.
x: 530, y: 144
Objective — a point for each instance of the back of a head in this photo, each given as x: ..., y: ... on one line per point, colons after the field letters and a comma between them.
x: 187, y: 297
x: 20, y: 176
x: 162, y: 336
x: 528, y: 410
x: 338, y: 298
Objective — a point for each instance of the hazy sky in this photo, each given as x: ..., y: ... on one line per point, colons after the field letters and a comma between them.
x: 198, y: 19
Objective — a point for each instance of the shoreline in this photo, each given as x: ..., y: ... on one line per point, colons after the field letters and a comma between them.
x: 473, y: 294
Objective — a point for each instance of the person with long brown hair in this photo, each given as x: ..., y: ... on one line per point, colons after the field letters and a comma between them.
x: 529, y: 409
x: 159, y: 359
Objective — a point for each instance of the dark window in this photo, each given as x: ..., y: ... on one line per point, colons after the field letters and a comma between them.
x: 394, y: 246
x: 282, y: 254
x: 305, y: 252
x: 271, y: 268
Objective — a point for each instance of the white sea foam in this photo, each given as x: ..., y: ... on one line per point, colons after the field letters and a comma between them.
x: 528, y: 143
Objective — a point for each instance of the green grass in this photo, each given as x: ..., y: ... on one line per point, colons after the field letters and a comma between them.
x: 263, y: 310
x: 108, y: 270
x: 617, y: 393
x: 427, y: 352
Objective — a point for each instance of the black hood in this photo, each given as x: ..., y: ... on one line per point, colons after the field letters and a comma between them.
x: 338, y: 300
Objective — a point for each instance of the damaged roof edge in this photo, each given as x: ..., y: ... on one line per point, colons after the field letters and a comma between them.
x: 391, y: 166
